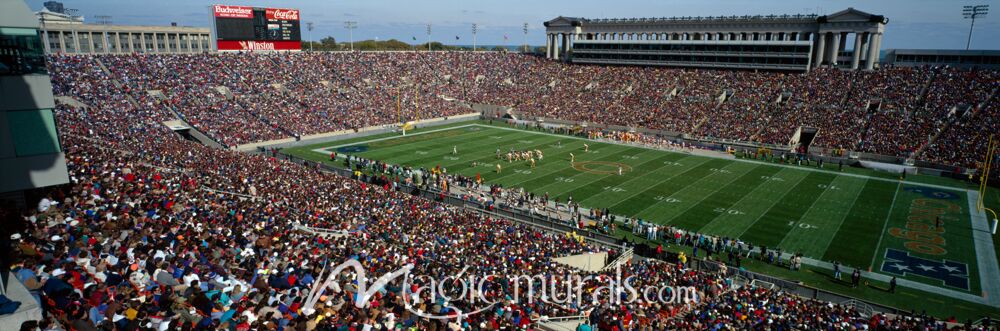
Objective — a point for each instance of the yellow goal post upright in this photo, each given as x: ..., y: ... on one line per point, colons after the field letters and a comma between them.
x: 984, y: 176
x: 400, y: 122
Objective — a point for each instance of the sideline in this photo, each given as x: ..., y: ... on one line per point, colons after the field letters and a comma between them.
x: 989, y: 271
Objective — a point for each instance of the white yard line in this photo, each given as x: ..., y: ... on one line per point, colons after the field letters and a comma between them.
x: 846, y: 214
x: 776, y: 202
x: 643, y: 177
x: 692, y: 184
x: 749, y: 194
x: 884, y: 226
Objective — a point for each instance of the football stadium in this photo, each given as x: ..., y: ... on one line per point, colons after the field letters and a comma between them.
x: 272, y: 168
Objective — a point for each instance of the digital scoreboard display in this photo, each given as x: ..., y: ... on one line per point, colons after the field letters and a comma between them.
x: 244, y: 28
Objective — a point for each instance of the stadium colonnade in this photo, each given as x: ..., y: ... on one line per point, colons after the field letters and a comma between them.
x: 777, y: 42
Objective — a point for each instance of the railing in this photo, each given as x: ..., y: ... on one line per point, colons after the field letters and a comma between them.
x: 620, y: 260
x: 548, y: 323
x: 862, y: 308
x: 325, y: 233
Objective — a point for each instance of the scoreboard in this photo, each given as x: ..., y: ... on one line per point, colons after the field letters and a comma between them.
x: 244, y: 28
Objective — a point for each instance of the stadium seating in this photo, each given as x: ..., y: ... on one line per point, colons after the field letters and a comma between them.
x: 167, y: 232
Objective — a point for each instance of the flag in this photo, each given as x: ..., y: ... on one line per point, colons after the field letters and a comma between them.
x: 456, y: 37
x: 414, y: 38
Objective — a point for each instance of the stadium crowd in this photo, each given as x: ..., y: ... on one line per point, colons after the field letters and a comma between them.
x: 245, y: 98
x: 156, y: 232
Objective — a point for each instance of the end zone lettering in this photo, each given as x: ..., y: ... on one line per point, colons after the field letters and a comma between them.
x: 921, y: 232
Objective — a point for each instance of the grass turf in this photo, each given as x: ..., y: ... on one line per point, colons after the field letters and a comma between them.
x: 822, y: 214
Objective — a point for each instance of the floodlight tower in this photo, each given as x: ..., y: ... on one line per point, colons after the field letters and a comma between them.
x: 350, y: 26
x: 525, y: 29
x: 309, y: 27
x: 474, y: 28
x: 973, y: 12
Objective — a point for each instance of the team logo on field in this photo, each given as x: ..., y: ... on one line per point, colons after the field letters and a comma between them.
x: 353, y: 149
x: 951, y: 273
x: 932, y: 193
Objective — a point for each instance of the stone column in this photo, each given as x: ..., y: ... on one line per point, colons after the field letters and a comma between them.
x: 62, y: 41
x: 878, y: 47
x: 131, y: 43
x: 834, y: 48
x: 90, y: 40
x: 45, y: 42
x: 76, y: 42
x: 872, y: 51
x: 548, y: 46
x: 864, y: 47
x: 156, y: 46
x: 856, y: 54
x: 819, y: 52
x: 555, y: 46
x: 565, y: 46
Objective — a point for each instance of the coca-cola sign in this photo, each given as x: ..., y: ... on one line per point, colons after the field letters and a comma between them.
x: 257, y: 46
x: 227, y: 11
x: 282, y: 14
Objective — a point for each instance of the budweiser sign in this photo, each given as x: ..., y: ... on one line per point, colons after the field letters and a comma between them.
x: 252, y: 46
x: 282, y: 14
x: 233, y: 11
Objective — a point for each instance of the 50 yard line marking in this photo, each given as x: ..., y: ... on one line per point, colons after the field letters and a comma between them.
x: 886, y: 224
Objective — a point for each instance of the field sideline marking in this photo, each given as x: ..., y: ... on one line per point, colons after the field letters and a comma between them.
x: 884, y: 226
x: 986, y: 256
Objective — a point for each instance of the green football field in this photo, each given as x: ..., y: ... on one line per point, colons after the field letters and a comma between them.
x: 827, y: 215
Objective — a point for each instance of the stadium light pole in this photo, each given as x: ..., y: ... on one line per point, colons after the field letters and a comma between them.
x: 309, y: 27
x: 973, y: 12
x: 429, y: 38
x: 525, y: 28
x: 474, y: 28
x: 350, y: 26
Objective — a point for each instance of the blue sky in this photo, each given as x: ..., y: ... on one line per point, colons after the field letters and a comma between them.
x: 912, y: 23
